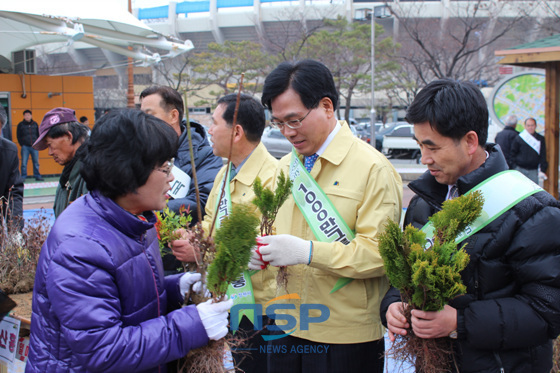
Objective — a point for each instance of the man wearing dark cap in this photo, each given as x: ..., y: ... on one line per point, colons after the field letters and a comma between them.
x: 11, y: 184
x: 27, y: 133
x: 63, y: 135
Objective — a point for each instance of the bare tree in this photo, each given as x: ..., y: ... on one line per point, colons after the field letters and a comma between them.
x: 345, y: 47
x: 287, y: 36
x: 544, y: 16
x: 459, y: 46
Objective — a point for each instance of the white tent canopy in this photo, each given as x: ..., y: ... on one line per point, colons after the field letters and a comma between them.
x: 24, y: 25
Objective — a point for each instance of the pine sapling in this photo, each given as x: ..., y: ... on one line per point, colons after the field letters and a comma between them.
x: 268, y: 203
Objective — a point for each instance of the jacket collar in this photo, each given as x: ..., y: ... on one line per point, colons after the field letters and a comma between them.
x: 434, y: 193
x: 196, y: 129
x: 252, y: 167
x: 339, y: 146
x: 119, y: 218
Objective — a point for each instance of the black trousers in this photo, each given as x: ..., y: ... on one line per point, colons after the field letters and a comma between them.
x: 292, y: 354
x: 252, y: 356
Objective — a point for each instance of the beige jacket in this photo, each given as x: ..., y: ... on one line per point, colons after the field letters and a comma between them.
x: 260, y: 163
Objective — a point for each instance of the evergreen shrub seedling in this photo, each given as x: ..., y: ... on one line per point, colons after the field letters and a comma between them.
x: 168, y: 222
x: 268, y: 203
x: 234, y: 240
x: 427, y: 273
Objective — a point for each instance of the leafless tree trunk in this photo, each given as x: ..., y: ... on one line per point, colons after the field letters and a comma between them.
x: 458, y: 46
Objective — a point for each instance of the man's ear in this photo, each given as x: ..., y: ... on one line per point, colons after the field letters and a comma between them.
x: 471, y: 141
x: 327, y: 105
x: 238, y: 133
x: 70, y: 136
x: 175, y: 116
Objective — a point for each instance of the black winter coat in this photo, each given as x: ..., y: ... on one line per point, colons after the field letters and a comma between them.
x: 511, y: 311
x: 524, y: 156
x: 207, y: 167
x: 27, y: 132
x: 505, y: 139
x: 11, y: 183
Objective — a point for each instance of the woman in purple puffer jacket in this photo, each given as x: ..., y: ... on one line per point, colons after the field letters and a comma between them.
x: 101, y: 302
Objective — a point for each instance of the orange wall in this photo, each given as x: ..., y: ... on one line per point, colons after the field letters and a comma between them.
x: 76, y: 92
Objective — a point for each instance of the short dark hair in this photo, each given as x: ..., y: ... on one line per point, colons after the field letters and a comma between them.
x: 170, y: 98
x: 83, y: 119
x: 309, y: 78
x: 79, y: 131
x: 27, y: 111
x: 533, y: 119
x: 250, y: 115
x: 452, y: 108
x: 124, y: 148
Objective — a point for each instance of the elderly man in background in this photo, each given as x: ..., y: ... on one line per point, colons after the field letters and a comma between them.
x: 528, y: 152
x: 64, y: 136
x: 506, y: 136
x: 11, y: 183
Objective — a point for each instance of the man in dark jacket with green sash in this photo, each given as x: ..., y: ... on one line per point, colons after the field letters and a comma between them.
x: 511, y: 312
x: 63, y: 135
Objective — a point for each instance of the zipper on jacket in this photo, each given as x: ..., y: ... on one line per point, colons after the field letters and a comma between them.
x: 476, y: 284
x: 499, y: 360
x: 68, y: 191
x: 143, y: 239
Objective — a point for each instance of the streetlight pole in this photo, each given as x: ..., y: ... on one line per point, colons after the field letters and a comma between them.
x: 372, y: 112
x: 130, y: 67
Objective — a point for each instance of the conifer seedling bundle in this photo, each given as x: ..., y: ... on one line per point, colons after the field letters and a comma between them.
x: 427, y: 273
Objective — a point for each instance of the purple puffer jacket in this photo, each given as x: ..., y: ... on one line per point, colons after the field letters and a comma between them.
x: 100, y: 300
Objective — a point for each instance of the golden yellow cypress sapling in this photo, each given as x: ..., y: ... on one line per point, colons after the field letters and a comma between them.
x: 428, y: 273
x: 168, y: 222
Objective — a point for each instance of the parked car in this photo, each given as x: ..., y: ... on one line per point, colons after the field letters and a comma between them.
x: 276, y: 144
x: 400, y: 143
x: 364, y: 130
x: 354, y: 131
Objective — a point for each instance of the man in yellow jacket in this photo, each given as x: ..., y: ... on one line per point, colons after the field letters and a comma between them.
x: 326, y: 230
x: 250, y: 160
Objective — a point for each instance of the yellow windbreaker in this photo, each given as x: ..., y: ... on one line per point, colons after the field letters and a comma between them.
x: 366, y: 190
x: 260, y: 163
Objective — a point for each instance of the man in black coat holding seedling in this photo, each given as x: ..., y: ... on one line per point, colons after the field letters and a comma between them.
x: 510, y: 313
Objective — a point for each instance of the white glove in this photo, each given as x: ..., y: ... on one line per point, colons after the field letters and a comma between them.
x: 256, y: 263
x: 201, y: 289
x: 187, y: 280
x: 214, y: 317
x: 284, y: 250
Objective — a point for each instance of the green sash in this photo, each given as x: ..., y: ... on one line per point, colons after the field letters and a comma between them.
x: 497, y: 200
x: 324, y: 220
x: 241, y: 290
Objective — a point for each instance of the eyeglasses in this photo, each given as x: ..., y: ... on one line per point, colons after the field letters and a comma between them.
x: 293, y: 124
x: 168, y: 168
